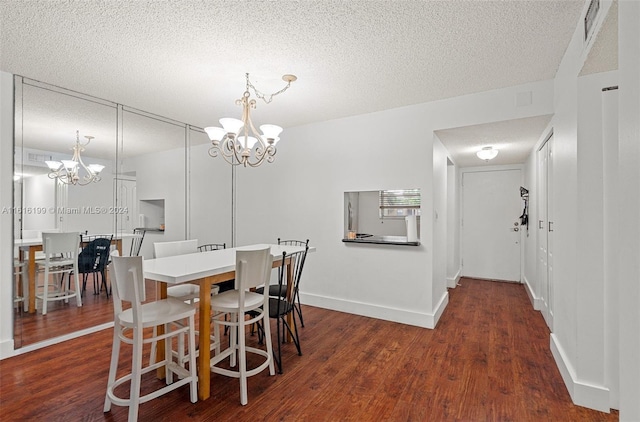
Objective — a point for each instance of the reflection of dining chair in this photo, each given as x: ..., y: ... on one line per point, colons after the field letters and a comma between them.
x: 184, y: 292
x: 21, y: 285
x: 280, y: 307
x: 60, y: 257
x: 253, y: 268
x: 93, y: 259
x: 212, y: 247
x: 296, y: 302
x: 129, y: 326
x: 136, y: 242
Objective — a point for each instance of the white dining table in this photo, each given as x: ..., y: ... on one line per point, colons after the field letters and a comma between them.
x: 204, y: 269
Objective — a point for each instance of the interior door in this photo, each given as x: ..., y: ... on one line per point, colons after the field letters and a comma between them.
x: 490, y: 224
x: 542, y: 256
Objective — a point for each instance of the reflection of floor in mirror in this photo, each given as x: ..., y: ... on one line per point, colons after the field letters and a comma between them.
x: 65, y: 318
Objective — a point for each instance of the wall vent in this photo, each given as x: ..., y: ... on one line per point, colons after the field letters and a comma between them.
x: 39, y: 158
x: 590, y: 18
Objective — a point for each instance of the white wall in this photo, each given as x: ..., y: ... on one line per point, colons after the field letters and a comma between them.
x: 453, y: 226
x: 579, y: 330
x: 317, y: 163
x: 439, y: 217
x: 629, y: 162
x: 530, y: 239
x: 6, y: 219
x: 589, y: 273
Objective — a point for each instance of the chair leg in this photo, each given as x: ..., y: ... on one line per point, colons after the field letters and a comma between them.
x: 242, y: 370
x: 136, y: 375
x: 234, y: 341
x: 78, y: 295
x: 168, y: 354
x: 46, y: 291
x: 154, y: 344
x: 298, y: 308
x: 267, y: 339
x: 181, y: 353
x: 192, y: 360
x: 280, y: 340
x: 113, y: 368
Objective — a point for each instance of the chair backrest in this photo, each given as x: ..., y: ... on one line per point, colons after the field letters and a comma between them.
x: 136, y: 242
x: 293, y: 242
x: 297, y: 261
x: 94, y: 255
x: 253, y: 268
x: 127, y: 282
x: 212, y: 247
x: 56, y: 243
x: 180, y: 247
x: 86, y: 238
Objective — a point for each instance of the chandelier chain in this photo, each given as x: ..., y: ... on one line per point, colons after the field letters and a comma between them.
x: 266, y: 98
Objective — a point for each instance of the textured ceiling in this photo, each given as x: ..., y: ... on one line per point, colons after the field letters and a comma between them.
x: 512, y: 138
x: 187, y: 59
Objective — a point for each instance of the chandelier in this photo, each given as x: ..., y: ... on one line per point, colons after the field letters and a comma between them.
x: 68, y: 171
x: 238, y: 141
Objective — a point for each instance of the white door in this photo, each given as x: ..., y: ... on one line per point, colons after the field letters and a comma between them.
x: 490, y: 224
x: 541, y: 226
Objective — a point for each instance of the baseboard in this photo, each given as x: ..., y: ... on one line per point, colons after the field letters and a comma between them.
x: 533, y: 298
x: 6, y: 349
x: 56, y: 340
x: 452, y: 282
x: 403, y: 316
x: 582, y: 394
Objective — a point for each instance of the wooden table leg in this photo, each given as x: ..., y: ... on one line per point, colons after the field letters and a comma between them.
x: 204, y: 359
x: 119, y: 246
x: 161, y: 288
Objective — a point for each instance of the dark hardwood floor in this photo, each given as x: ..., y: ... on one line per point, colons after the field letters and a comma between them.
x: 487, y: 360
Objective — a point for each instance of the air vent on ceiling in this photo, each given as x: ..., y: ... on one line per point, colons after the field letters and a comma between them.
x: 38, y: 158
x: 590, y: 18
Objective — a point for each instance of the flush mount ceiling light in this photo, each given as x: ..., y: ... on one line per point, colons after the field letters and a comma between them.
x: 238, y: 141
x: 68, y: 171
x: 487, y: 153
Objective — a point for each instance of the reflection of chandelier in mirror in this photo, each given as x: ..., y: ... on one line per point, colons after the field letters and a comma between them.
x: 68, y: 171
x: 487, y: 153
x: 250, y: 148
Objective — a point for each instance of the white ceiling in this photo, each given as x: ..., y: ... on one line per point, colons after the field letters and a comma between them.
x: 187, y: 59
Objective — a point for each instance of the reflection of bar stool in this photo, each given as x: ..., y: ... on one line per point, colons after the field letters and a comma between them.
x: 21, y: 286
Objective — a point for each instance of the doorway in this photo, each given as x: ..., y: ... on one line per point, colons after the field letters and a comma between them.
x: 490, y: 226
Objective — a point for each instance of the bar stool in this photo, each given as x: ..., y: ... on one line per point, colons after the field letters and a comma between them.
x: 129, y: 326
x: 253, y: 268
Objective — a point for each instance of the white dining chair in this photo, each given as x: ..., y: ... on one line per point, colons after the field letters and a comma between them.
x: 60, y: 257
x: 184, y: 292
x: 129, y: 326
x: 253, y: 268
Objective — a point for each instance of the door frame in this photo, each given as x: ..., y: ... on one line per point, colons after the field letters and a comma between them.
x: 477, y: 169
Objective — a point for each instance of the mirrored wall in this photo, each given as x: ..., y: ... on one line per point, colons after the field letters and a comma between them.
x: 157, y: 175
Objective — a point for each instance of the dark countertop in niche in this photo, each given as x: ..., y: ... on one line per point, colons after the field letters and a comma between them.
x: 383, y: 240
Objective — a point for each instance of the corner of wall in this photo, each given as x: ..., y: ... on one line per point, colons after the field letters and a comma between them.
x: 582, y: 394
x: 452, y: 282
